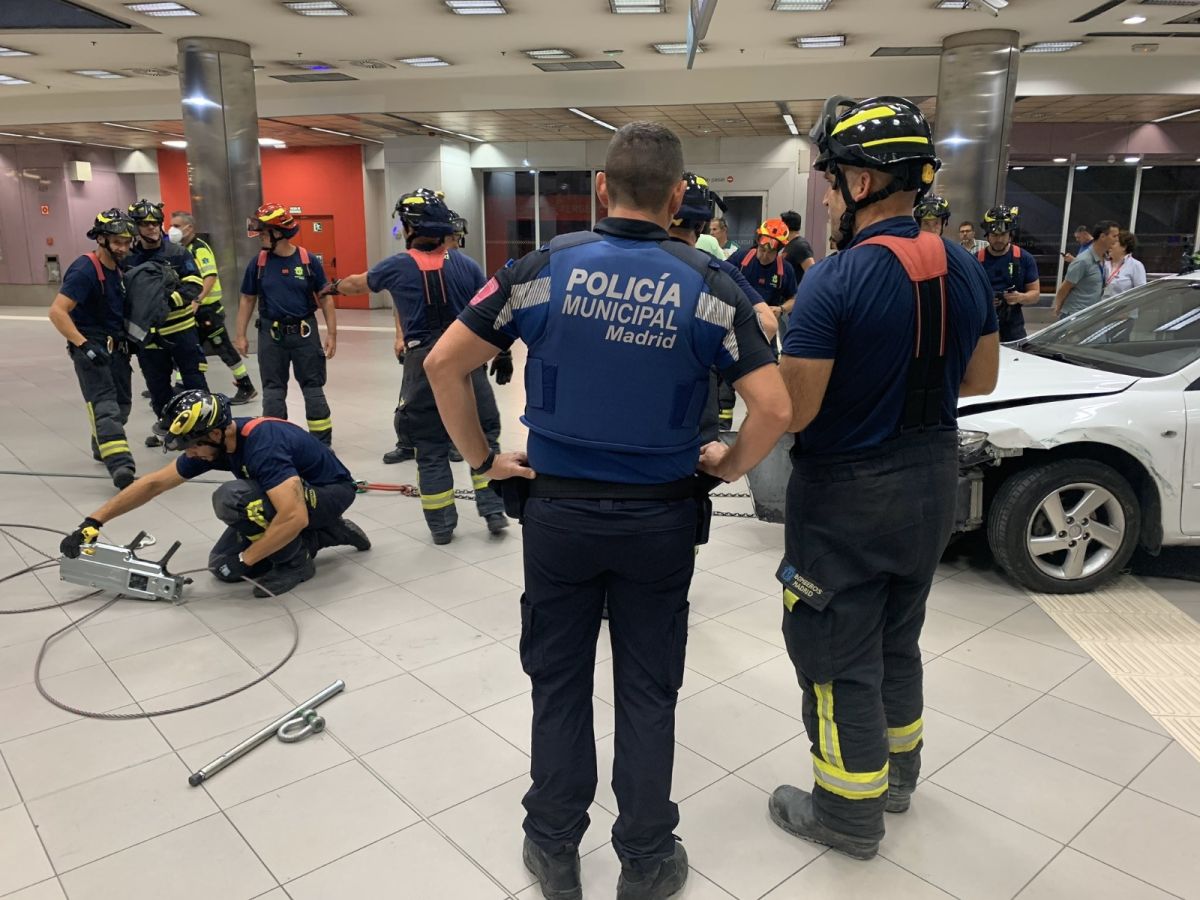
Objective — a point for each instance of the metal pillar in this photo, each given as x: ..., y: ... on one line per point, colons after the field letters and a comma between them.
x: 220, y: 122
x: 977, y: 84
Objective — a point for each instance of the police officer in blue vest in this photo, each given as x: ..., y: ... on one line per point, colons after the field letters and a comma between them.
x: 622, y: 326
x: 431, y: 283
x: 884, y: 339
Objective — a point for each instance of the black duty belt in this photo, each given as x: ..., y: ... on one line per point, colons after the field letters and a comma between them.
x: 553, y: 487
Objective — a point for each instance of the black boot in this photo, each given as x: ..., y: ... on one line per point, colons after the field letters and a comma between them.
x: 557, y: 873
x: 124, y: 477
x: 656, y: 881
x: 153, y: 441
x: 245, y: 391
x: 792, y: 810
x: 285, y: 576
x: 455, y: 456
x: 496, y: 522
x: 399, y: 455
x: 346, y: 534
x: 903, y: 771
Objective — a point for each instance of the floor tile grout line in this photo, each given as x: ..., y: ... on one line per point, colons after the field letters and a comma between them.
x: 1028, y: 687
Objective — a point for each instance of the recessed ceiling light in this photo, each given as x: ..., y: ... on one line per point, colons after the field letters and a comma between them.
x: 476, y: 7
x: 637, y: 6
x: 34, y: 137
x: 1133, y: 159
x: 132, y: 128
x: 317, y: 8
x: 1180, y: 115
x: 161, y: 10
x: 457, y: 134
x: 96, y: 73
x: 1133, y: 20
x: 1148, y: 168
x: 423, y: 62
x: 954, y: 4
x: 178, y: 145
x: 1018, y: 168
x: 1081, y: 168
x: 600, y: 122
x: 1051, y: 46
x: 820, y: 41
x: 801, y: 5
x: 356, y: 137
x: 152, y: 72
x: 549, y: 53
x: 270, y: 142
x: 1060, y: 159
x: 791, y: 124
x: 673, y: 49
x: 9, y: 51
x: 13, y: 81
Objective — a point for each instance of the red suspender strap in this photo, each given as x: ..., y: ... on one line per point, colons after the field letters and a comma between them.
x: 981, y: 253
x: 779, y: 266
x: 1016, y: 252
x: 746, y: 259
x: 96, y: 265
x: 254, y: 423
x: 923, y: 257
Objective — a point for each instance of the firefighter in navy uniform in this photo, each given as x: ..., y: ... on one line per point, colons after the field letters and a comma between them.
x: 1013, y: 273
x: 431, y: 283
x: 932, y: 212
x: 288, y: 284
x: 871, y: 500
x: 284, y: 504
x: 175, y: 344
x: 622, y: 326
x: 209, y: 310
x: 89, y: 311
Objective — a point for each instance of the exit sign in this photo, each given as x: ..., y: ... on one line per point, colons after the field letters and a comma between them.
x: 295, y: 210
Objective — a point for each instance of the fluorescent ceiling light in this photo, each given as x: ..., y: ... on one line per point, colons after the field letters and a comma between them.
x: 1147, y: 168
x: 132, y: 128
x: 800, y: 5
x: 672, y: 49
x: 954, y: 4
x: 622, y: 7
x: 1133, y: 20
x: 1051, y: 46
x: 317, y: 8
x: 476, y: 7
x: 96, y: 73
x: 161, y: 10
x: 9, y: 51
x: 791, y: 124
x: 549, y: 53
x: 178, y: 145
x: 600, y: 122
x: 35, y: 137
x: 343, y: 134
x: 1081, y: 168
x: 12, y: 80
x: 423, y: 62
x: 1060, y: 159
x: 1133, y: 159
x: 457, y: 134
x: 1018, y: 168
x: 1190, y: 112
x: 817, y: 42
x: 270, y: 142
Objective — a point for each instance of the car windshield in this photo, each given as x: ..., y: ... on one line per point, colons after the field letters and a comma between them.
x: 1150, y: 331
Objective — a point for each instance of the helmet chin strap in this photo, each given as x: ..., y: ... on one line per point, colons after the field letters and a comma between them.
x: 846, y: 225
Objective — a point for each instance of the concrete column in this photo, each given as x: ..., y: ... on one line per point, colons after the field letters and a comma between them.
x: 220, y: 122
x: 977, y: 84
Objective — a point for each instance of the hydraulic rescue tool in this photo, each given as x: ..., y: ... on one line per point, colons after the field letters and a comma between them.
x: 118, y: 569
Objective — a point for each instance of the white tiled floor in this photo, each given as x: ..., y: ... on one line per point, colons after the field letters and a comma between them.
x: 1044, y: 780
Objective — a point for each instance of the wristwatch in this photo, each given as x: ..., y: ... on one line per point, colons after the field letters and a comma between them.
x: 486, y: 465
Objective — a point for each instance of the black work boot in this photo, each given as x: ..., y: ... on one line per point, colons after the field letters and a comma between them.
x: 399, y: 455
x: 455, y: 456
x: 346, y: 533
x: 655, y: 881
x: 153, y: 440
x: 285, y: 576
x: 245, y: 392
x: 496, y: 522
x: 557, y: 873
x: 903, y: 771
x: 792, y: 810
x: 124, y: 477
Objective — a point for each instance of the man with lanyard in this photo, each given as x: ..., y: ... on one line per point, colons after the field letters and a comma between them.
x: 175, y: 344
x: 1013, y: 273
x: 886, y: 337
x: 622, y: 326
x: 284, y: 504
x: 431, y: 284
x: 1083, y: 283
x: 797, y: 251
x: 290, y: 285
x: 691, y: 220
x: 769, y: 273
x: 89, y: 312
x: 932, y: 212
x: 210, y: 313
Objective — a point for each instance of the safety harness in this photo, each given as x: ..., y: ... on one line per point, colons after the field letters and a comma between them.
x: 286, y: 324
x: 431, y: 263
x: 924, y: 260
x: 746, y: 260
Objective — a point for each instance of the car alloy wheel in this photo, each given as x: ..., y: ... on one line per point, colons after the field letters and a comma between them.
x: 1075, y: 531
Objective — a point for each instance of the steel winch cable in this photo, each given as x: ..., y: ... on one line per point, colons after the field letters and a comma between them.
x: 76, y: 623
x: 33, y: 474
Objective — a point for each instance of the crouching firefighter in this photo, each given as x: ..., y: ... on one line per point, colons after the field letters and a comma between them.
x: 431, y: 283
x: 884, y: 338
x: 287, y: 283
x: 163, y: 323
x: 284, y: 504
x: 89, y: 312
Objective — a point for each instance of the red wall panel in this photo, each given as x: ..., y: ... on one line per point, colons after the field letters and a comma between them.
x: 322, y: 181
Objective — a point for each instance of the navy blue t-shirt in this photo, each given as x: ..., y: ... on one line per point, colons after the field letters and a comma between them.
x: 857, y: 309
x: 401, y: 276
x: 771, y: 287
x: 1010, y: 273
x: 97, y: 309
x: 286, y: 290
x: 273, y: 452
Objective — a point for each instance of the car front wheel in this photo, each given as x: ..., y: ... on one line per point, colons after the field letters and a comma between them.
x: 1064, y: 527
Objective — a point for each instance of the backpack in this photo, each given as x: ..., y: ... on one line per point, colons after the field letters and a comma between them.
x: 148, y: 288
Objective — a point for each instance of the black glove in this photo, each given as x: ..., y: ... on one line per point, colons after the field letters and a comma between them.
x: 330, y: 289
x: 229, y: 567
x: 400, y: 355
x: 73, y: 543
x: 96, y: 352
x: 502, y: 367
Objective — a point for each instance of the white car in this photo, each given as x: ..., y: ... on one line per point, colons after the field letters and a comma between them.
x: 1090, y: 444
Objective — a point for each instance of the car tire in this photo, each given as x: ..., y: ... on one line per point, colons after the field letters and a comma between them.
x: 1088, y: 548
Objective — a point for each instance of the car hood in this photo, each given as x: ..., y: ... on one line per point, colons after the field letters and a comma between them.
x: 1026, y: 379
